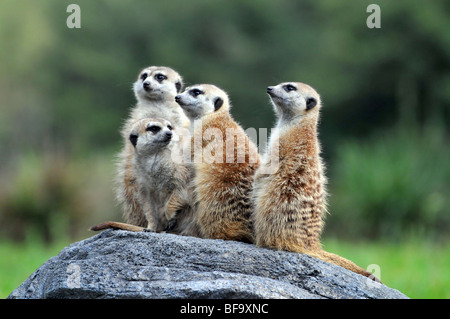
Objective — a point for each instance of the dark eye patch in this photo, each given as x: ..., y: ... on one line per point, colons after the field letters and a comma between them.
x: 289, y: 88
x: 144, y: 76
x: 195, y: 92
x: 160, y: 77
x: 170, y: 127
x: 153, y: 128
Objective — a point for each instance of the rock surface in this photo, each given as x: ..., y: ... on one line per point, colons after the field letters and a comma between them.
x: 121, y: 264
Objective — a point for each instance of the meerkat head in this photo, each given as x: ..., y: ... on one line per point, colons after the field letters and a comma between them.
x: 202, y: 99
x: 151, y: 135
x: 157, y: 83
x: 294, y: 99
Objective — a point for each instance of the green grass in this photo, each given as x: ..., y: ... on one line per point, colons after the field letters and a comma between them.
x: 419, y: 269
x: 19, y: 261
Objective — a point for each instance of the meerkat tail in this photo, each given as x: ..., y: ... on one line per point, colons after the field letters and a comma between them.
x: 341, y: 261
x: 116, y: 225
x: 176, y: 202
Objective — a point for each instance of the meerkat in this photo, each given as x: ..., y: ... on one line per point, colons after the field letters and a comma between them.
x: 155, y: 90
x: 290, y: 203
x: 157, y: 176
x: 222, y: 183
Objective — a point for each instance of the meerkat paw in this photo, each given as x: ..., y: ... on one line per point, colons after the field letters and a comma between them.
x: 170, y: 226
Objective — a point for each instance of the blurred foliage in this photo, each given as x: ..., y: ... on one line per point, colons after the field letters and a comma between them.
x: 65, y: 92
x: 394, y: 184
x: 56, y: 198
x: 41, y: 194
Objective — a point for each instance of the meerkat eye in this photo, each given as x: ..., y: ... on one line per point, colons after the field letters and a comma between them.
x: 160, y: 77
x: 154, y: 129
x: 195, y: 92
x: 143, y: 76
x: 170, y: 127
x: 289, y: 87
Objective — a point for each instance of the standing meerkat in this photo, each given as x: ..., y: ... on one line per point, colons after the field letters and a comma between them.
x: 157, y: 176
x: 224, y: 176
x: 290, y: 203
x: 155, y: 90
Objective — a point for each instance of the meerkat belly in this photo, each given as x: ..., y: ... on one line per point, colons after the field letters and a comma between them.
x: 224, y: 203
x: 159, y: 174
x: 296, y: 211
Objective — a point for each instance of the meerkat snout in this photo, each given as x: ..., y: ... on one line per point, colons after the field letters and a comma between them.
x: 169, y: 135
x: 151, y: 132
x: 161, y: 134
x: 146, y: 86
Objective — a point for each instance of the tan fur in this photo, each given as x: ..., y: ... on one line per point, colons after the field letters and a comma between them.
x: 221, y: 190
x: 156, y: 102
x: 116, y: 225
x: 290, y: 204
x: 182, y: 207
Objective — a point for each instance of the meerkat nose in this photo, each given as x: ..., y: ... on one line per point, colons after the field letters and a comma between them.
x: 146, y: 85
x: 270, y: 91
x: 169, y: 134
x: 177, y: 98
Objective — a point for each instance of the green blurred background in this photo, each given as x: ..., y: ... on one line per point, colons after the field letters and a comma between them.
x: 384, y: 128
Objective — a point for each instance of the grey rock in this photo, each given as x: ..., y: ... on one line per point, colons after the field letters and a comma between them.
x: 121, y: 264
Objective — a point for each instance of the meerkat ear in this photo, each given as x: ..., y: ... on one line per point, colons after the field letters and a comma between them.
x: 178, y: 86
x: 218, y: 102
x: 310, y: 103
x: 133, y: 139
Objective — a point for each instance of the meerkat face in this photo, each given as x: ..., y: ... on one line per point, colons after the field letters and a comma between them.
x: 157, y: 83
x: 200, y: 100
x: 294, y: 99
x: 150, y: 135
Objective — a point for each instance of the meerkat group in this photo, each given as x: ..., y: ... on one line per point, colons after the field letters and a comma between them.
x: 225, y: 189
